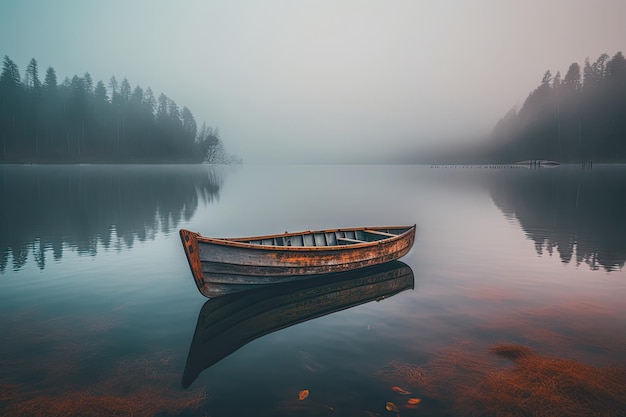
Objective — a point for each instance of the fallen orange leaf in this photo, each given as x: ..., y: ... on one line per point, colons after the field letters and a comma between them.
x: 414, y: 401
x: 400, y: 390
x: 391, y: 406
x: 303, y: 394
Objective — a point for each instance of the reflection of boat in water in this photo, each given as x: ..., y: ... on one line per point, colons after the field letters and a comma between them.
x: 227, y: 323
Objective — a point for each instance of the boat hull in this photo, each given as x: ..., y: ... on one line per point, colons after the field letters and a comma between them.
x: 229, y: 262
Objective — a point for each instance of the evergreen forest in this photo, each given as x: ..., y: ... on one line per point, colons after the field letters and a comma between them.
x: 573, y: 118
x: 82, y: 121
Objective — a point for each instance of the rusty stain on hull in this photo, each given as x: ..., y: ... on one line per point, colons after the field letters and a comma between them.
x: 190, y: 243
x: 291, y: 256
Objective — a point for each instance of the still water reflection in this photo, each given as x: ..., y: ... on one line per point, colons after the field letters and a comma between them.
x: 84, y: 208
x: 227, y: 323
x: 514, y: 271
x: 577, y: 213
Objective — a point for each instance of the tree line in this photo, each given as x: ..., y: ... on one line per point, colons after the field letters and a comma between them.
x: 577, y: 117
x: 82, y: 121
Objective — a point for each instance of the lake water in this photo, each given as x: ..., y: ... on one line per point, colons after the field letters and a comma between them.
x: 98, y: 307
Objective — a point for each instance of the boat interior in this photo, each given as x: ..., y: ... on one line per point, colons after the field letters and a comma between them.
x: 328, y: 238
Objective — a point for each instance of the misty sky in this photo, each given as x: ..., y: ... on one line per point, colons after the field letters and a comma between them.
x: 325, y: 80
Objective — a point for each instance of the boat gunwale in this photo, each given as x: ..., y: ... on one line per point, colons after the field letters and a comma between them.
x: 241, y: 242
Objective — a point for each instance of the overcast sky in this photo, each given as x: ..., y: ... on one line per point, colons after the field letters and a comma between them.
x: 292, y: 80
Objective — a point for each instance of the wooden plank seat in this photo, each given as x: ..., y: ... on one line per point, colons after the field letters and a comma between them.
x: 349, y: 241
x: 378, y: 232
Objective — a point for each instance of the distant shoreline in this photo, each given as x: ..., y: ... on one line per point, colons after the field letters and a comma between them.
x: 492, y: 165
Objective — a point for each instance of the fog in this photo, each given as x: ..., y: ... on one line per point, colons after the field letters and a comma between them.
x: 321, y: 81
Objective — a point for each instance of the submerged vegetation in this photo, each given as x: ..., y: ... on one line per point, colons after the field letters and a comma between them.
x: 82, y: 121
x: 564, y: 360
x: 54, y: 384
x: 535, y: 384
x: 577, y: 117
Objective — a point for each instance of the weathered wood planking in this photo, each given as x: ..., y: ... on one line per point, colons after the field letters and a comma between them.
x: 291, y: 256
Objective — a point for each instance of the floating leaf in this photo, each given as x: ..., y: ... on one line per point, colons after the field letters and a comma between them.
x: 414, y: 401
x: 391, y: 407
x: 303, y: 394
x: 400, y: 390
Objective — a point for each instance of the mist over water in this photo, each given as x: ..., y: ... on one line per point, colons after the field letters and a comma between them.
x: 511, y: 300
x: 321, y: 81
x: 100, y: 306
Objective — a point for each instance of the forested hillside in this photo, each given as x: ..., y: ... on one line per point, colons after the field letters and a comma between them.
x: 577, y: 117
x: 82, y: 121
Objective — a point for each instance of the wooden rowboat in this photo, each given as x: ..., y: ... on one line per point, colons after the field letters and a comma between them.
x: 218, y: 264
x: 227, y: 323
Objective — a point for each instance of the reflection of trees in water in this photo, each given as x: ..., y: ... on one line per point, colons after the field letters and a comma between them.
x: 46, y: 209
x: 580, y: 214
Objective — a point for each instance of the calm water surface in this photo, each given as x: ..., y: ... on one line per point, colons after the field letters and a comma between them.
x: 98, y: 308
